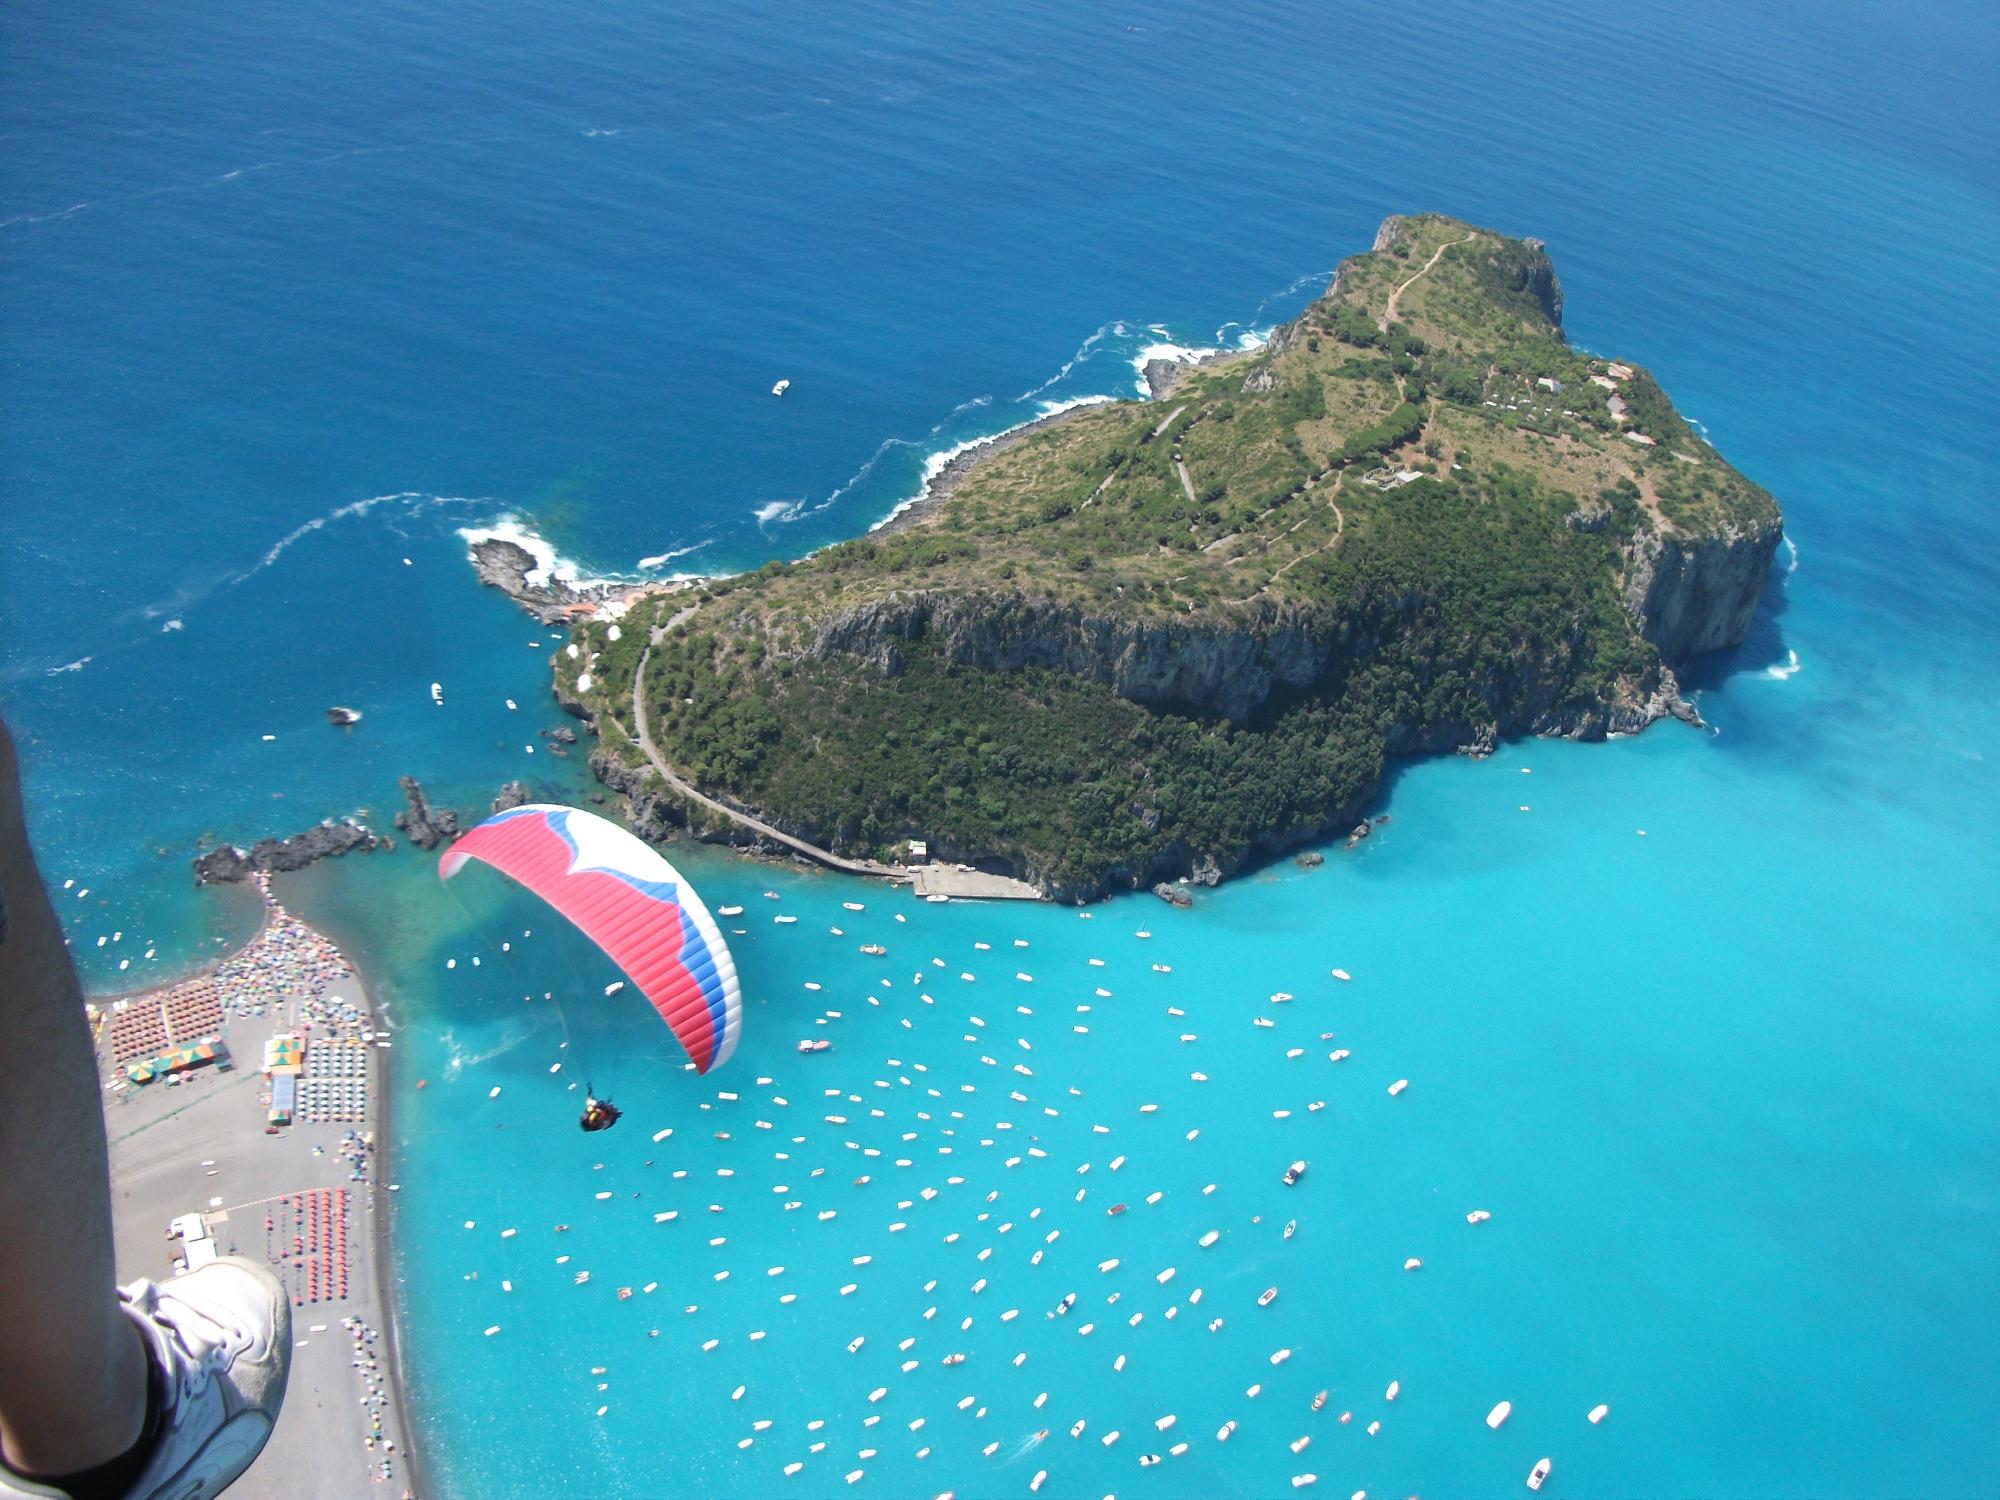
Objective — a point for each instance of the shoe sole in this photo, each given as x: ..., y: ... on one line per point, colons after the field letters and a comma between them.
x: 223, y: 1459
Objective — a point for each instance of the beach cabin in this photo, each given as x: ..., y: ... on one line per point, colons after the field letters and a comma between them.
x: 920, y: 852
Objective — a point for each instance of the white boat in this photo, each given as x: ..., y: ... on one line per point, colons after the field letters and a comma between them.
x: 343, y: 716
x: 729, y: 911
x: 853, y: 905
x: 1499, y: 1414
x: 1266, y: 1297
x: 437, y: 694
x: 1539, y: 1473
x: 1598, y: 1413
x: 815, y: 1044
x: 1210, y: 1238
x: 1294, y: 1172
x: 784, y: 921
x: 781, y: 387
x: 1291, y: 1227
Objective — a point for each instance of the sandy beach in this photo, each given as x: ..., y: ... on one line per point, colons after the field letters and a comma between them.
x: 288, y: 1198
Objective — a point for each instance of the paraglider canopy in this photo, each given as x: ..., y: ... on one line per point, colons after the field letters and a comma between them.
x: 629, y: 901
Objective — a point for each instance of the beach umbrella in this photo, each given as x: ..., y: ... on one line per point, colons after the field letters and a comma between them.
x: 624, y: 897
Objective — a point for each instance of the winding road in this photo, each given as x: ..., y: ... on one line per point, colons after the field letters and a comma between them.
x: 642, y: 736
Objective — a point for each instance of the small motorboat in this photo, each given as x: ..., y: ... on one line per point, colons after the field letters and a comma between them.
x: 873, y: 950
x: 1291, y: 1227
x: 781, y: 387
x: 1210, y: 1238
x: 1598, y: 1413
x: 954, y: 1359
x: 1265, y: 1021
x: 853, y: 906
x: 784, y: 921
x: 1319, y: 1401
x: 1499, y: 1414
x: 1539, y: 1473
x: 1266, y: 1297
x: 1116, y: 1209
x: 815, y: 1044
x: 437, y: 694
x: 729, y: 911
x: 343, y: 716
x: 1294, y: 1172
x: 624, y: 1294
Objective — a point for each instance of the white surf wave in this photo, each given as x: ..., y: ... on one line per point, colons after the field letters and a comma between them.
x: 1792, y: 548
x: 550, y: 565
x: 71, y: 666
x: 1083, y: 353
x: 411, y: 498
x: 778, y: 512
x: 1784, y: 673
x: 660, y: 559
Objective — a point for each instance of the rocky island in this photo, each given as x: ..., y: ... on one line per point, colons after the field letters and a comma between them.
x: 1165, y: 638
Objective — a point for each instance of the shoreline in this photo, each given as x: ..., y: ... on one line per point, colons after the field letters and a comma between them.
x: 325, y: 1443
x: 940, y: 487
x: 388, y: 1278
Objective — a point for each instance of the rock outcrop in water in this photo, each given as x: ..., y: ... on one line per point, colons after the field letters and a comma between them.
x: 229, y: 862
x: 426, y: 827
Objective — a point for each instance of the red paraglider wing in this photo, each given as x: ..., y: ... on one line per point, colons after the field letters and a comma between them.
x: 622, y: 895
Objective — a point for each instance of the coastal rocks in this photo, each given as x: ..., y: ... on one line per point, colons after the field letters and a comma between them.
x: 562, y: 734
x: 537, y: 588
x: 229, y: 862
x: 1696, y: 594
x: 513, y: 794
x: 1172, y: 894
x: 1161, y: 376
x: 1311, y: 859
x: 1206, y: 872
x: 427, y: 829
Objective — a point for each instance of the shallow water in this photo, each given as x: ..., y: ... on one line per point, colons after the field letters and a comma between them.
x: 1725, y: 1088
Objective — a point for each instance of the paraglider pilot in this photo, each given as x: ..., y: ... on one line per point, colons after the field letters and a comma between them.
x: 598, y: 1114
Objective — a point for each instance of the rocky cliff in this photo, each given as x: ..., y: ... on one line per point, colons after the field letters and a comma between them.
x: 1695, y: 594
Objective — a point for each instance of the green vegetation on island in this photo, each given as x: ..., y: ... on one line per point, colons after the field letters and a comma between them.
x: 1172, y: 635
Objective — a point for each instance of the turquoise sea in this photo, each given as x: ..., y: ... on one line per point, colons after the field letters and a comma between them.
x: 293, y: 296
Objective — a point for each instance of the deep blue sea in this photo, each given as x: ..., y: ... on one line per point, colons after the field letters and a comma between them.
x: 293, y: 295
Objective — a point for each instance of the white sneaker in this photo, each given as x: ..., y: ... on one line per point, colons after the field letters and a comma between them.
x: 221, y: 1338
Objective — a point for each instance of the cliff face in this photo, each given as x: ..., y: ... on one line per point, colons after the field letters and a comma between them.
x: 1224, y: 667
x: 1686, y: 595
x: 1696, y: 594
